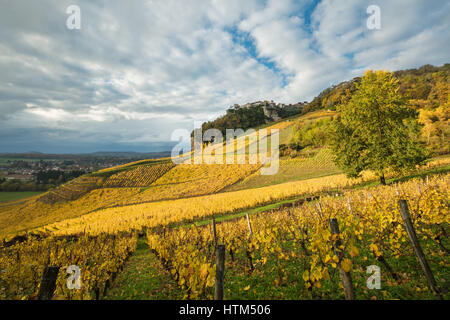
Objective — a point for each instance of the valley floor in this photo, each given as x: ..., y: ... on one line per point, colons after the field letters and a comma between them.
x: 13, y: 196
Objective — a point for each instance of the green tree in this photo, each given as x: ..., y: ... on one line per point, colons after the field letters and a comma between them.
x: 376, y: 129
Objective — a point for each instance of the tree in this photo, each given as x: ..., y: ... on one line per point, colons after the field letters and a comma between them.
x: 436, y: 130
x: 376, y: 130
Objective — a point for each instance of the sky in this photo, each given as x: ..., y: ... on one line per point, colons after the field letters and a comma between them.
x: 137, y: 70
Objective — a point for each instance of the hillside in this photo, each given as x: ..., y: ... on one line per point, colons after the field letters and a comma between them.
x: 169, y: 190
x: 427, y: 86
x: 100, y: 222
x: 427, y: 89
x: 154, y: 180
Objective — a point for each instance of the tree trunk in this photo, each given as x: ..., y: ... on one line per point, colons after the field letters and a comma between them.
x: 382, y: 180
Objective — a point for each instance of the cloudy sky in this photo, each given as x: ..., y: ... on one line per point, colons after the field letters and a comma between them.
x: 137, y: 70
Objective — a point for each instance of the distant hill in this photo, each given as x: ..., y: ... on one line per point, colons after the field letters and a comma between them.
x: 131, y: 154
x: 100, y: 154
x: 427, y: 83
x: 427, y: 89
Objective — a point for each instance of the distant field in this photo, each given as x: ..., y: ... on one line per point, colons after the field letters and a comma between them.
x: 12, y: 196
x: 6, y: 159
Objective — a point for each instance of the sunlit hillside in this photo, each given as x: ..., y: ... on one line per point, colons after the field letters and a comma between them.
x: 160, y: 198
x: 149, y: 181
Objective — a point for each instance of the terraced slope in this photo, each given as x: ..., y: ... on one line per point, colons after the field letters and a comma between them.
x: 189, y: 180
x: 139, y: 176
x: 72, y: 190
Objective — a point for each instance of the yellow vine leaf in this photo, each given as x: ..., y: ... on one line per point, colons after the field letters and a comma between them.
x: 346, y: 265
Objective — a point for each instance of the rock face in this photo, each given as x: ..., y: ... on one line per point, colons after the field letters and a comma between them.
x: 275, y: 111
x: 271, y: 113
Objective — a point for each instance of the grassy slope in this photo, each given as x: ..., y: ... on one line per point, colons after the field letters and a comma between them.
x: 143, y: 278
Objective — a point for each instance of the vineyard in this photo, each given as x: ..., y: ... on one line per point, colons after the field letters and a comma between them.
x: 152, y: 214
x: 292, y: 253
x: 35, y: 213
x: 116, y: 169
x: 320, y: 164
x: 193, y: 180
x: 198, y: 181
x: 72, y: 190
x: 100, y: 258
x: 140, y: 176
x: 91, y: 193
x: 287, y: 252
x: 225, y: 159
x: 284, y: 254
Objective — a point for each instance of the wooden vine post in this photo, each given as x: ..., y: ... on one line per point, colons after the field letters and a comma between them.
x: 404, y: 210
x: 349, y: 204
x: 249, y: 226
x: 214, y: 231
x: 220, y: 272
x: 248, y: 253
x: 345, y: 276
x: 220, y: 265
x: 48, y: 280
x: 48, y: 283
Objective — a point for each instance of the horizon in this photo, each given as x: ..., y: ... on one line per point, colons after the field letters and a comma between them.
x: 129, y: 76
x: 75, y: 154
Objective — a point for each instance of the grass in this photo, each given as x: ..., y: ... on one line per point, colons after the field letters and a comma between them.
x: 143, y: 278
x: 13, y: 196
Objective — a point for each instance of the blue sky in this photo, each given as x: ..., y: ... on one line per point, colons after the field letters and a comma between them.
x: 138, y: 70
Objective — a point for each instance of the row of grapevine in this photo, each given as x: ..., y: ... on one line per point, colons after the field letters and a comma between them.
x: 153, y: 214
x: 72, y: 190
x: 193, y: 180
x: 292, y: 251
x: 140, y: 176
x: 35, y: 213
x: 99, y: 259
